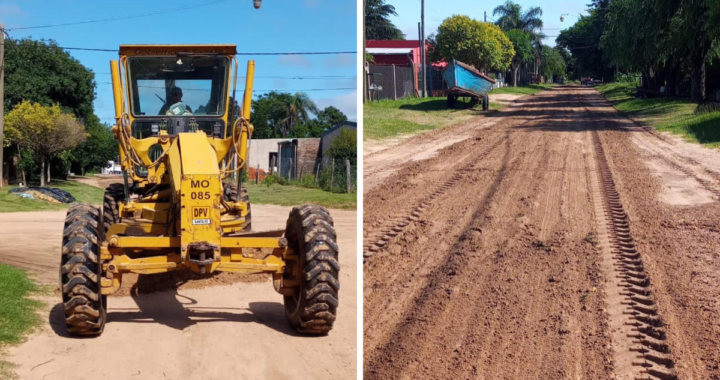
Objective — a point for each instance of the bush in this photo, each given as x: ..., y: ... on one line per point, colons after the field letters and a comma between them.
x: 307, y: 180
x: 344, y: 147
x: 272, y: 179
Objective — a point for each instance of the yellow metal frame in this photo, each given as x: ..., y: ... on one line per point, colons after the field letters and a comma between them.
x: 191, y: 165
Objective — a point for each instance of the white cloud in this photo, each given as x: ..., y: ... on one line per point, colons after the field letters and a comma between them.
x: 294, y: 60
x: 346, y: 103
x: 341, y: 60
x: 9, y: 10
x: 311, y: 3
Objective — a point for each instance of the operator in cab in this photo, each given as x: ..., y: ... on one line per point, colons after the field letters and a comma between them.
x: 175, y: 106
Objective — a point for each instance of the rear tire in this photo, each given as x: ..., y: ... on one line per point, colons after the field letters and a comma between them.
x: 313, y: 307
x: 486, y: 102
x: 114, y: 194
x: 81, y: 271
x: 231, y: 195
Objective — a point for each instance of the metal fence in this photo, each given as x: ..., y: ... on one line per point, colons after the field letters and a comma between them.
x: 334, y: 175
x: 391, y: 82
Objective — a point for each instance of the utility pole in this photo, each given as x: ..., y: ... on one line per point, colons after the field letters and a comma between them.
x: 422, y: 48
x: 485, y: 13
x: 364, y: 57
x: 2, y: 99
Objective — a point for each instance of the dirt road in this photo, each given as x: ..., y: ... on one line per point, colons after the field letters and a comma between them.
x: 234, y: 330
x: 553, y: 240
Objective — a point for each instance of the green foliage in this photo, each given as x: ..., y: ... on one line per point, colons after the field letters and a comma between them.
x: 18, y: 311
x: 377, y: 21
x: 99, y: 148
x: 681, y: 117
x: 482, y: 45
x: 41, y: 72
x: 283, y: 115
x: 274, y: 179
x: 43, y: 131
x: 82, y: 193
x: 344, y: 147
x: 583, y: 41
x: 552, y: 63
x: 522, y: 44
x: 513, y: 17
x: 308, y: 181
x: 296, y: 195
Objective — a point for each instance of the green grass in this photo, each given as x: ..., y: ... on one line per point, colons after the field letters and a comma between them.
x: 18, y: 312
x: 673, y: 115
x: 388, y: 118
x: 522, y: 90
x: 82, y: 193
x: 290, y: 195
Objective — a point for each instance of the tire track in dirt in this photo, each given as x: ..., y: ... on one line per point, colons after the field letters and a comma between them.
x: 381, y: 236
x: 483, y: 296
x: 638, y: 332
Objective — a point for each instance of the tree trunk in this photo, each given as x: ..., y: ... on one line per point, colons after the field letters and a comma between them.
x: 23, y: 178
x: 515, y: 74
x: 670, y: 78
x: 697, y: 94
x: 42, y: 171
x: 48, y: 172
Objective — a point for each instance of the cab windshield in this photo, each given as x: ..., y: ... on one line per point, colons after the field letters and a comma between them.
x: 178, y: 86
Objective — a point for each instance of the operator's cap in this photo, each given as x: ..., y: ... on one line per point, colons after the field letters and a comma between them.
x: 175, y: 91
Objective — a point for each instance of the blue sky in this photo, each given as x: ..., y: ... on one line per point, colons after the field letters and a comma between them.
x: 437, y: 10
x: 279, y: 26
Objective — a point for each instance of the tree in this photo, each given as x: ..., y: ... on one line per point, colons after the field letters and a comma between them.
x: 42, y: 72
x: 277, y: 114
x: 522, y: 45
x: 297, y: 108
x: 583, y: 41
x: 482, y: 45
x: 513, y: 17
x: 377, y: 21
x: 99, y: 148
x: 331, y: 116
x: 344, y: 147
x: 553, y: 64
x: 43, y: 130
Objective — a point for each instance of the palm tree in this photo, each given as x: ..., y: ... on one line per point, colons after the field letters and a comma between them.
x: 512, y: 17
x: 377, y: 22
x: 296, y: 109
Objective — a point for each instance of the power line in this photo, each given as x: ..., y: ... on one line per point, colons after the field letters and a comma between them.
x: 299, y: 90
x: 307, y: 77
x: 242, y: 54
x: 154, y: 13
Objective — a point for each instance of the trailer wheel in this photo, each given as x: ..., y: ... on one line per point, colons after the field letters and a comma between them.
x: 486, y: 102
x: 451, y: 101
x: 313, y: 306
x: 81, y: 271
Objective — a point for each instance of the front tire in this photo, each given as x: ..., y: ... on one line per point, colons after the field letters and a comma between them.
x: 312, y: 308
x: 81, y: 271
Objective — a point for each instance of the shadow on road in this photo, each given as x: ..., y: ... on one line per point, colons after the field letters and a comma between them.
x: 175, y: 310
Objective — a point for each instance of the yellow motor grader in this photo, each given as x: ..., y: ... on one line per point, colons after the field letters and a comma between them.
x: 181, y: 135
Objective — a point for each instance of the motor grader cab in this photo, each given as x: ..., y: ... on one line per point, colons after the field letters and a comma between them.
x: 182, y: 135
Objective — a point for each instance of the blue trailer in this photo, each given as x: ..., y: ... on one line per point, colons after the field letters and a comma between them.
x: 465, y: 81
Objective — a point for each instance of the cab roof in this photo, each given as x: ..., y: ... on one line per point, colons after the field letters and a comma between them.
x: 172, y: 50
